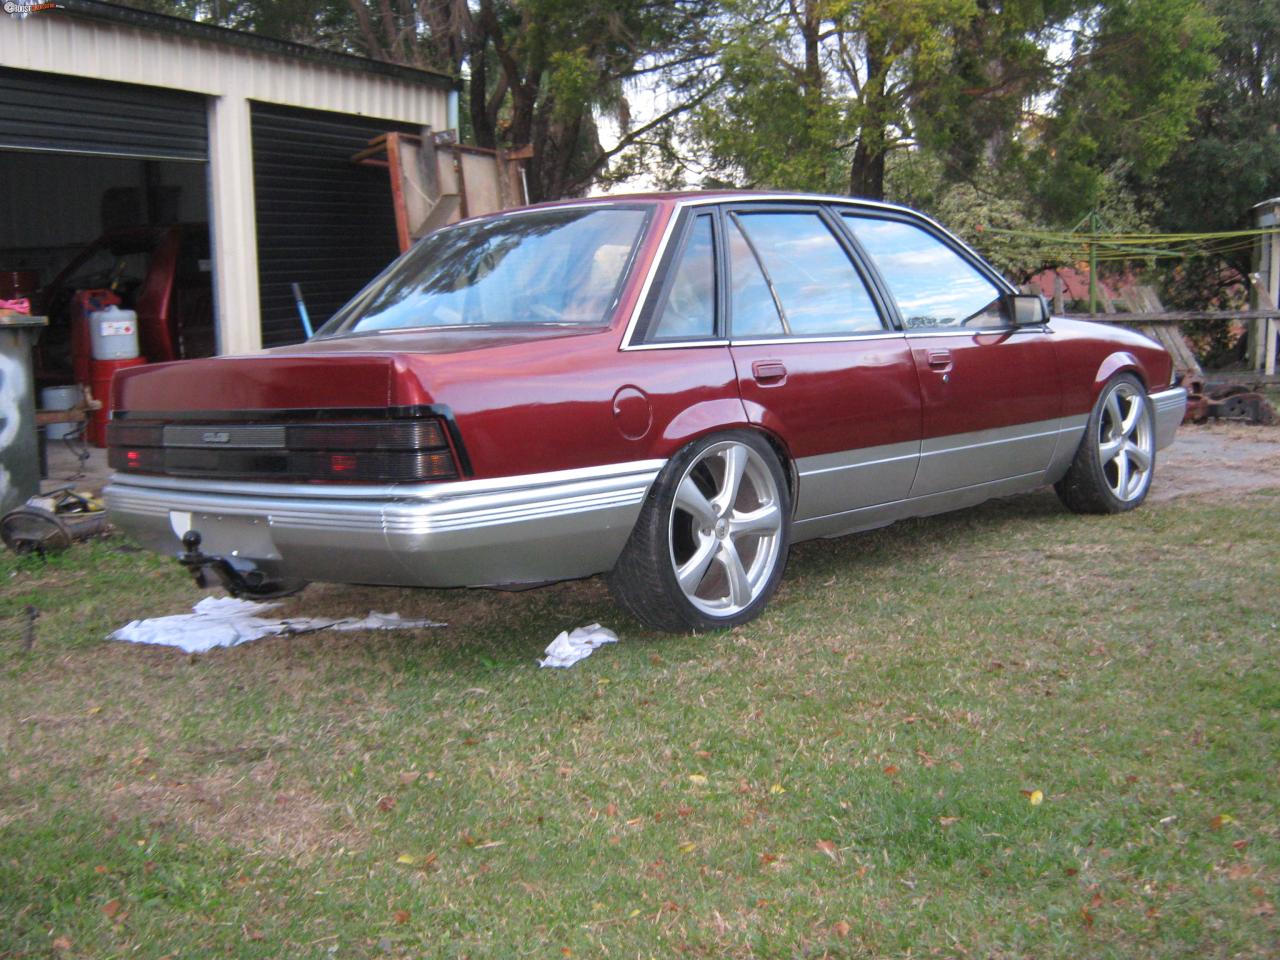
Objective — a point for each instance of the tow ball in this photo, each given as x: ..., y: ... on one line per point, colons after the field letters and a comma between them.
x: 240, y: 578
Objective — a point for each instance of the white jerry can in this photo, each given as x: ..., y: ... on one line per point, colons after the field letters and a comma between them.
x: 115, y: 334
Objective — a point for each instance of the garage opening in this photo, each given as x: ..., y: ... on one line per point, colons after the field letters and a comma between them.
x: 104, y: 202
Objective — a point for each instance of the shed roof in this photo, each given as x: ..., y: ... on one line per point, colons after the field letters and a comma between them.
x: 114, y: 13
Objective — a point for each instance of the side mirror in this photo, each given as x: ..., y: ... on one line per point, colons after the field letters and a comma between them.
x: 1026, y: 309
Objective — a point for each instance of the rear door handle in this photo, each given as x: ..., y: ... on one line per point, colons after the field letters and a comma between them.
x: 768, y: 371
x: 939, y: 359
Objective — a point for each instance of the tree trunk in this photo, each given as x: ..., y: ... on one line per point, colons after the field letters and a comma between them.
x: 866, y: 175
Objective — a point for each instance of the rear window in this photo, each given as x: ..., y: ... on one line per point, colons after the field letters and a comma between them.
x: 550, y: 267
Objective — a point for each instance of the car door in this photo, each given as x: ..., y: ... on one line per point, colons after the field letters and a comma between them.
x: 991, y: 390
x: 819, y: 363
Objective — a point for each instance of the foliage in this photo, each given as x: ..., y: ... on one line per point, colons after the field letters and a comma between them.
x: 541, y: 72
x: 971, y: 208
x: 1232, y: 160
x: 814, y: 95
x: 1137, y: 72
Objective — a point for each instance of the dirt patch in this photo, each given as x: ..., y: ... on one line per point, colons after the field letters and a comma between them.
x: 1222, y: 460
x: 245, y: 805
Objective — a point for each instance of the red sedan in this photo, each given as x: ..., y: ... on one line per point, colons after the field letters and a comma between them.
x: 668, y: 389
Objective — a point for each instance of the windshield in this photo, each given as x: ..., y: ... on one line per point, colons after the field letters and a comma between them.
x: 562, y: 267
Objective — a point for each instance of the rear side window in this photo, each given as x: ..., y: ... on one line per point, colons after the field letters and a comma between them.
x: 811, y: 284
x: 688, y: 311
x: 936, y: 288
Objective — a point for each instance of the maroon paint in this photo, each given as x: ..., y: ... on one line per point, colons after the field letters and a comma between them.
x: 535, y: 400
x: 834, y: 396
x: 977, y: 381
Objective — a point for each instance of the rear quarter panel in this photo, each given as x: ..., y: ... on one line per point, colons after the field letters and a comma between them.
x: 579, y: 402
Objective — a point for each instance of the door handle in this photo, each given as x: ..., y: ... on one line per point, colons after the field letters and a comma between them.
x: 768, y: 371
x: 939, y: 359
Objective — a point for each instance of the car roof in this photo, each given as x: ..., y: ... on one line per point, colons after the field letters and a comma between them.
x: 709, y: 196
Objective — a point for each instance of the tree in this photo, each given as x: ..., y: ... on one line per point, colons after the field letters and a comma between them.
x: 1231, y: 161
x: 815, y: 93
x: 1128, y: 94
x: 538, y: 72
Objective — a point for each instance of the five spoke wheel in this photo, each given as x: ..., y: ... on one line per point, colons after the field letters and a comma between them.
x: 725, y: 529
x: 1113, y: 467
x: 1125, y: 441
x: 709, y: 547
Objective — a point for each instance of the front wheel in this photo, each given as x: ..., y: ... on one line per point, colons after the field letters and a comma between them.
x: 711, y: 542
x: 1112, y: 470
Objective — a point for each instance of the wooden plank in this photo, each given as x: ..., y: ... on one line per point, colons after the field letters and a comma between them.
x: 397, y: 191
x: 1177, y: 316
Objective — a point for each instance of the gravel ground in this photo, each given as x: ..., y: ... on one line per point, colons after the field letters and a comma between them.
x: 1223, y: 459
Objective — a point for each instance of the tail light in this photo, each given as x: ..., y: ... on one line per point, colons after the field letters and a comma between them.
x: 351, y: 451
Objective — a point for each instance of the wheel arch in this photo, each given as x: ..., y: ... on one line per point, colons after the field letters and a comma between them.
x: 717, y: 416
x: 1122, y: 361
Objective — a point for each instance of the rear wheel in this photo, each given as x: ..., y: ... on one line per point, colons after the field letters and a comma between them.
x: 1113, y: 468
x: 712, y: 539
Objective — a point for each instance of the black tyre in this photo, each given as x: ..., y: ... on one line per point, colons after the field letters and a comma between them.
x: 711, y: 542
x: 1113, y: 468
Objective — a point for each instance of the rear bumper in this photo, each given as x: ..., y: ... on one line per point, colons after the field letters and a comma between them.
x: 1168, y: 406
x: 526, y: 529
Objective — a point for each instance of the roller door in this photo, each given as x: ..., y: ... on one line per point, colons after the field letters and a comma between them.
x: 51, y: 113
x: 323, y: 222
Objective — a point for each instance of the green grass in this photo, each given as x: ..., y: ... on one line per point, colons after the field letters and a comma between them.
x: 846, y: 777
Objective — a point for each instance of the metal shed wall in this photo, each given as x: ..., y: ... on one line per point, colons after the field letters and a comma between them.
x: 323, y: 221
x: 104, y: 43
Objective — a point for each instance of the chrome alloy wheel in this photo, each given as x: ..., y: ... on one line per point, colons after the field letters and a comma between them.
x: 1126, y: 442
x: 726, y: 525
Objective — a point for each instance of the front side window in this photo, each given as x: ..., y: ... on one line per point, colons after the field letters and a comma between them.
x: 815, y: 287
x: 560, y: 267
x: 936, y: 288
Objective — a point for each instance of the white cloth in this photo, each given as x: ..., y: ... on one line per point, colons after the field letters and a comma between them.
x: 228, y: 622
x: 568, y: 648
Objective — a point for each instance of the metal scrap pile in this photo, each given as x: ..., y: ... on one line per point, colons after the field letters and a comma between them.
x: 1227, y: 401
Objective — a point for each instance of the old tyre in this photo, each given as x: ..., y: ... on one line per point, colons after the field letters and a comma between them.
x: 1112, y: 470
x: 711, y: 542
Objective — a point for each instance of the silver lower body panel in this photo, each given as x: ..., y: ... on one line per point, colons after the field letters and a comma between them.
x: 883, y: 514
x: 527, y: 529
x: 1169, y: 407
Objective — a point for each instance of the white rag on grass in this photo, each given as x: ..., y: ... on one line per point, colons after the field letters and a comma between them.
x: 568, y: 648
x: 228, y: 622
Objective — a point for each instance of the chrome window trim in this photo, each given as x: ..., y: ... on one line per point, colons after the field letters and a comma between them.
x: 975, y: 331
x: 679, y: 345
x: 849, y: 203
x: 842, y: 338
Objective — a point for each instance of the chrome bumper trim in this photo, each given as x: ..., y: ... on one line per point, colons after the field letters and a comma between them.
x: 1169, y: 407
x: 530, y: 528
